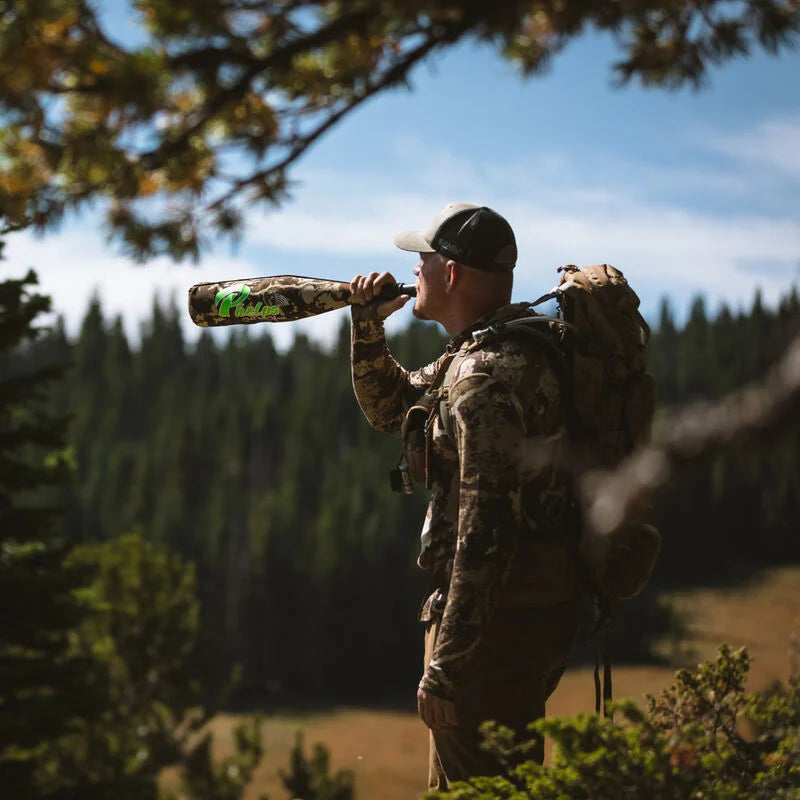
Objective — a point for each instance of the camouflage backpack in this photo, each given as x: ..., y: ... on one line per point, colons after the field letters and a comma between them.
x: 604, y: 341
x: 602, y: 338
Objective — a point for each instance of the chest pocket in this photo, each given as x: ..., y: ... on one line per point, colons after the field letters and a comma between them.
x: 419, y: 426
x: 416, y: 435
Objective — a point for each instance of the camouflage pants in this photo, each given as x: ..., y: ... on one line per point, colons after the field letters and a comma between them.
x: 520, y: 662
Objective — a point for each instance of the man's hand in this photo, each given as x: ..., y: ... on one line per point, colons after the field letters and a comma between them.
x: 435, y: 712
x: 365, y: 287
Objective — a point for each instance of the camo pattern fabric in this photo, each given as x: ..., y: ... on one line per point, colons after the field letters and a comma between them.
x: 385, y: 391
x: 383, y: 388
x: 500, y: 520
x: 278, y: 299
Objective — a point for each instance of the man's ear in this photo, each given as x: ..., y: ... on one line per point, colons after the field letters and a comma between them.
x: 453, y: 274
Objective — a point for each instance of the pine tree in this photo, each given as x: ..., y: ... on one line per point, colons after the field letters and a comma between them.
x: 42, y: 685
x: 694, y: 358
x: 662, y: 355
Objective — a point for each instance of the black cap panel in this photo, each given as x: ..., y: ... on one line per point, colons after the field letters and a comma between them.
x: 479, y: 238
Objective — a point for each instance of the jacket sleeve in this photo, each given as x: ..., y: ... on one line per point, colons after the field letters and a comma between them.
x: 383, y: 388
x: 489, y: 430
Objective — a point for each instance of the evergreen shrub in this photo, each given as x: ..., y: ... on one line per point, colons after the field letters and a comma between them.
x: 704, y: 737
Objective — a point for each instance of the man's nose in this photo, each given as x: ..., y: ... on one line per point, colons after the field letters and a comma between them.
x: 417, y: 268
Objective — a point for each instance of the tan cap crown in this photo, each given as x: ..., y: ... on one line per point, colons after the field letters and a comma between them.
x: 473, y: 235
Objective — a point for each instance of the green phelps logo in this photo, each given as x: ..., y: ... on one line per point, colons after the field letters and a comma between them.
x: 233, y: 298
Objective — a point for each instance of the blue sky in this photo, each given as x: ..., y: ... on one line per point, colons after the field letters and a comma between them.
x: 686, y: 192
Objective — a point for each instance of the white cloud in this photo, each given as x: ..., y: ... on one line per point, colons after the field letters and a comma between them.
x: 669, y: 230
x: 75, y: 265
x: 773, y: 143
x: 665, y: 247
x: 329, y: 230
x: 670, y: 252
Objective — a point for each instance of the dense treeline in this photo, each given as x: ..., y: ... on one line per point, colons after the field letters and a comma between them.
x: 258, y: 467
x: 743, y: 510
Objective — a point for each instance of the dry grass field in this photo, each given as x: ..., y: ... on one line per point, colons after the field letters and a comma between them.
x: 388, y: 751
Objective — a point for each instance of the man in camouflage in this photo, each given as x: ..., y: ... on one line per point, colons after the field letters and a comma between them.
x: 500, y: 531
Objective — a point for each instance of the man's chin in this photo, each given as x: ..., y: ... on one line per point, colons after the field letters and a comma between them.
x: 418, y: 312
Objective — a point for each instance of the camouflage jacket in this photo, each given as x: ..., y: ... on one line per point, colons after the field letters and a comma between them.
x: 500, y: 526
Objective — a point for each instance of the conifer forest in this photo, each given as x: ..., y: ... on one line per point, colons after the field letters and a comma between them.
x: 257, y: 468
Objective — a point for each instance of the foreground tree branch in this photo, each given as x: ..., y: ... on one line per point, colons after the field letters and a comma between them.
x: 182, y: 130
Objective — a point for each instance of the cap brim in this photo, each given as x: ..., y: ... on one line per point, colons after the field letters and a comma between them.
x: 413, y: 241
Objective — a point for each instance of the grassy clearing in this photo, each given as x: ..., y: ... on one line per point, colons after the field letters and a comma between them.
x: 388, y: 751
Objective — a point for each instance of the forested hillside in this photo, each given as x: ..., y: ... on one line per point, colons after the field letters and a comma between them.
x: 258, y: 466
x: 742, y: 511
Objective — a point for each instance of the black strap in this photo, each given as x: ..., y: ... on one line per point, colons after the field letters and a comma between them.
x: 603, y: 695
x: 596, y: 681
x: 607, y: 693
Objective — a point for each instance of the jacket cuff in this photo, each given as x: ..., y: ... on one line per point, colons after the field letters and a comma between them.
x: 367, y: 325
x: 430, y: 685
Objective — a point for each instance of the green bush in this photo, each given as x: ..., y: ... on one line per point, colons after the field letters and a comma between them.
x: 135, y: 643
x: 310, y: 778
x: 704, y: 737
x: 205, y: 779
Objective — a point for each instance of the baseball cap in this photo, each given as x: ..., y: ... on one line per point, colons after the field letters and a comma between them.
x: 473, y: 235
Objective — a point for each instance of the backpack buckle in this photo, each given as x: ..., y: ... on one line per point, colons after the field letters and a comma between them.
x: 485, y: 334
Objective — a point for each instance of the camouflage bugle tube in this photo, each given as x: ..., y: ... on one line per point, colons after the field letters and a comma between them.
x: 280, y: 298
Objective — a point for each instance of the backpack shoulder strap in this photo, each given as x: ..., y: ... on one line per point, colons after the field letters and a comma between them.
x: 442, y: 390
x: 524, y: 327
